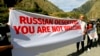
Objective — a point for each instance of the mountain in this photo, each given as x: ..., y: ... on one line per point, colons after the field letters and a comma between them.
x: 94, y: 12
x: 42, y: 6
x: 85, y: 7
x: 91, y: 9
x: 37, y: 6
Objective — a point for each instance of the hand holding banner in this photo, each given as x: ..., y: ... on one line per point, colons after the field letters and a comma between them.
x: 33, y: 33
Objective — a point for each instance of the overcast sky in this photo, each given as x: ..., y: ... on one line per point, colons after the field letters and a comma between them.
x: 68, y: 5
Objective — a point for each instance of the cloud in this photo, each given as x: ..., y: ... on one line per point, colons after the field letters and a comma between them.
x: 68, y: 5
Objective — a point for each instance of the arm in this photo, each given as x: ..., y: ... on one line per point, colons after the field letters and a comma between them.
x: 2, y: 48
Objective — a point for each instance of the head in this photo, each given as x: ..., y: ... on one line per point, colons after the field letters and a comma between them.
x: 81, y: 17
x: 89, y: 25
x: 93, y: 21
x: 98, y: 20
x: 11, y: 8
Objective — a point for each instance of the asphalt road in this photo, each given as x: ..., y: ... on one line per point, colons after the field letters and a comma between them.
x: 70, y: 50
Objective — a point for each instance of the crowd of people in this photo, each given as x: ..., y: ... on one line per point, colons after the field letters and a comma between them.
x: 91, y: 31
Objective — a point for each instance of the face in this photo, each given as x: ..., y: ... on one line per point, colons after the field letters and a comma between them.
x: 11, y: 8
x: 90, y: 25
x: 81, y: 17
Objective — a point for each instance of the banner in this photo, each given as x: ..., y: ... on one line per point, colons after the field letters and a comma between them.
x: 93, y: 33
x: 33, y: 33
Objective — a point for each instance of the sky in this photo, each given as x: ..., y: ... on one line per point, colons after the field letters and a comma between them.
x: 68, y: 5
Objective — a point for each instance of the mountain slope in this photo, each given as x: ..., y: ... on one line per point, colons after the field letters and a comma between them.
x: 42, y: 6
x: 91, y: 8
x: 37, y: 6
x: 95, y: 10
x: 85, y: 7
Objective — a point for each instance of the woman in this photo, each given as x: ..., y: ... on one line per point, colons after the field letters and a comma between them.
x: 90, y: 35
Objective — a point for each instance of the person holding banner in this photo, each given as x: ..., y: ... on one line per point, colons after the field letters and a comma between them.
x: 83, y: 27
x: 5, y: 46
x: 90, y: 35
x: 94, y: 31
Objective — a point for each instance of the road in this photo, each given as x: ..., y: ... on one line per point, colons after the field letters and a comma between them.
x: 70, y: 50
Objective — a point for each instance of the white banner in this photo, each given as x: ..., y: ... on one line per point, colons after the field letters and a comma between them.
x: 33, y: 33
x: 93, y: 33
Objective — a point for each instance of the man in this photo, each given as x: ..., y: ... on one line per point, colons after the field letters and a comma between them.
x: 83, y: 27
x: 5, y: 46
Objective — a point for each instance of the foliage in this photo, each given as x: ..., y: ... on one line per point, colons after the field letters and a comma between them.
x: 91, y: 9
x: 36, y: 6
x: 94, y: 12
x: 85, y: 7
x: 74, y: 15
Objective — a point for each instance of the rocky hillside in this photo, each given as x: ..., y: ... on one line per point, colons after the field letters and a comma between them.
x: 91, y: 8
x: 37, y: 6
x: 94, y: 12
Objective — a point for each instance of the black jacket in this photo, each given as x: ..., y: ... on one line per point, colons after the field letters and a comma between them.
x: 4, y: 41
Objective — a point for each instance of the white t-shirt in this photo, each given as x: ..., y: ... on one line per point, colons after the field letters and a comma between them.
x: 83, y: 25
